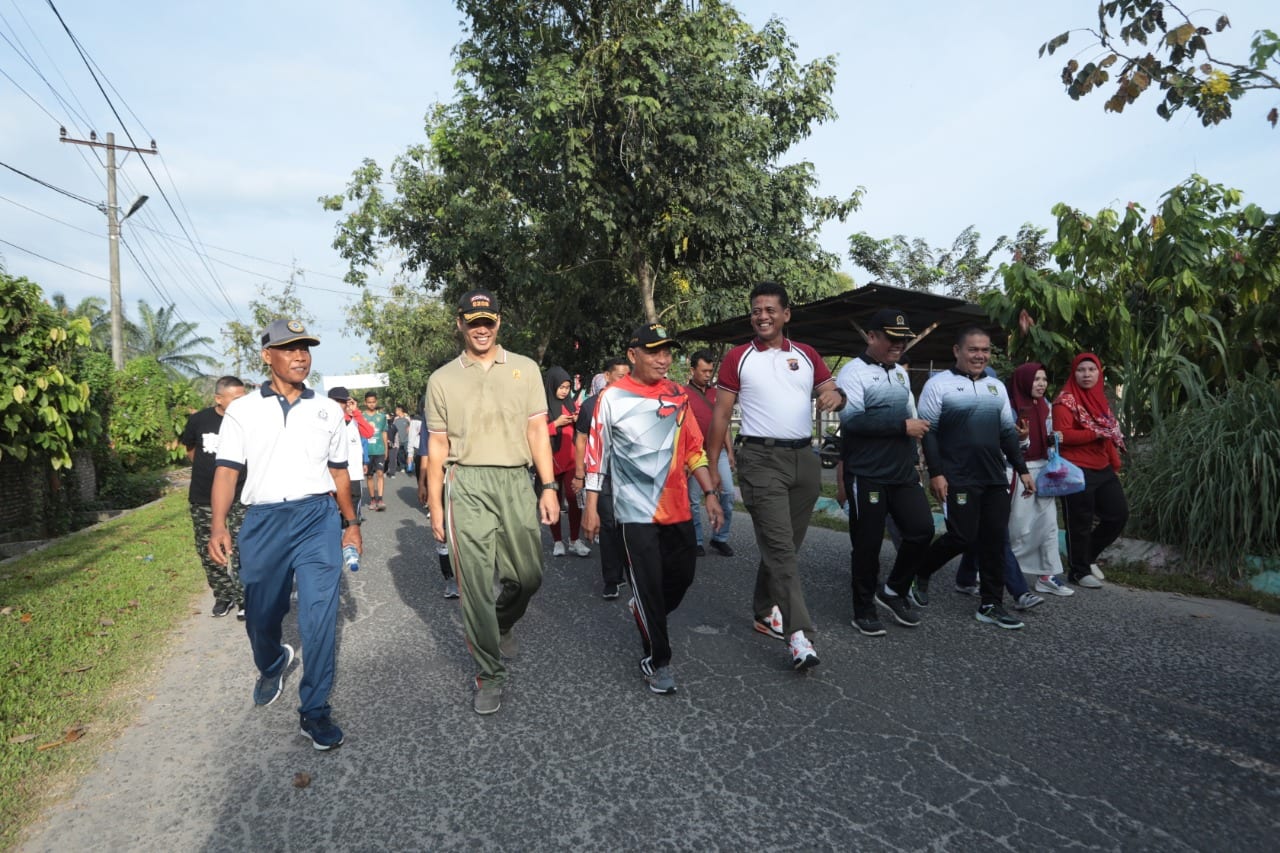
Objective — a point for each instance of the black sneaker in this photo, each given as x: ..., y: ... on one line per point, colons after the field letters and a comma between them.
x: 724, y: 549
x: 610, y: 591
x: 323, y: 731
x: 994, y: 614
x: 919, y: 592
x: 222, y: 607
x: 869, y: 625
x: 903, y: 612
x: 702, y: 552
x: 240, y: 611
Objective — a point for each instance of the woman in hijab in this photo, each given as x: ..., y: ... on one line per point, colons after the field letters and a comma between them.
x: 561, y: 414
x: 1033, y: 520
x: 1090, y: 437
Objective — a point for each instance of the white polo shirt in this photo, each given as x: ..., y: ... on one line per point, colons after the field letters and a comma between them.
x: 774, y: 387
x: 288, y: 450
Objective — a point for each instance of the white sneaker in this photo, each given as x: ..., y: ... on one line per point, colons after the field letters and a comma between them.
x: 580, y: 548
x: 1096, y: 572
x: 557, y: 550
x: 1089, y: 582
x: 771, y: 627
x: 1027, y: 600
x: 1053, y: 585
x: 802, y: 654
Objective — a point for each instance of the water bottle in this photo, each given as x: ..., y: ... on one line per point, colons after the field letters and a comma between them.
x: 351, y: 557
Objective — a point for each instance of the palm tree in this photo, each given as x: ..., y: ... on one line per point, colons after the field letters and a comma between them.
x: 93, y: 309
x: 171, y: 342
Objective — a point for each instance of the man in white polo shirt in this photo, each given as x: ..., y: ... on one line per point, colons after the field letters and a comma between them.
x: 294, y: 444
x: 774, y: 379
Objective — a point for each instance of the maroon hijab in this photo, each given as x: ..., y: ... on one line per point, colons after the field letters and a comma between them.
x: 1035, y: 411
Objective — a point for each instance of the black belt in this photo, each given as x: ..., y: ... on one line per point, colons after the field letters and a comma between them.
x: 789, y: 443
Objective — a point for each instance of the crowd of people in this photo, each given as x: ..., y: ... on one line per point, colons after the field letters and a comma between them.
x: 280, y: 476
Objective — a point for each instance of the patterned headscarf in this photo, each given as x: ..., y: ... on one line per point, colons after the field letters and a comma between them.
x: 1090, y: 406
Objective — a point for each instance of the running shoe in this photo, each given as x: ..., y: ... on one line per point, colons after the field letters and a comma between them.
x: 1089, y: 582
x: 1096, y: 571
x: 1027, y: 600
x: 580, y: 548
x: 487, y: 700
x: 919, y: 592
x: 994, y: 614
x: 610, y: 591
x: 557, y: 550
x: 1053, y: 585
x: 771, y: 627
x: 451, y: 588
x: 323, y: 731
x: 869, y: 625
x: 803, y: 655
x: 221, y: 607
x: 662, y: 682
x: 903, y: 613
x: 269, y: 687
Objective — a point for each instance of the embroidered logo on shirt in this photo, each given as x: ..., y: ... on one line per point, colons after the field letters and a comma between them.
x: 873, y: 497
x: 515, y: 374
x: 323, y: 415
x: 962, y: 499
x: 793, y: 364
x: 902, y: 380
x: 994, y: 392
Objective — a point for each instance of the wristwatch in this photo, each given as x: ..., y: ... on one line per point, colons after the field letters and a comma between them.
x: 349, y: 522
x: 555, y: 487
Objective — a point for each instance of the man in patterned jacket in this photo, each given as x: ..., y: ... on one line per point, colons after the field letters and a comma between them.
x: 644, y: 438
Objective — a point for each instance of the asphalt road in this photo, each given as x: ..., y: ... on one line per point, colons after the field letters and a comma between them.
x: 1117, y: 720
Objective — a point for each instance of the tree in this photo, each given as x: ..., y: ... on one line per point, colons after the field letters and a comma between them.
x: 149, y: 411
x: 604, y: 163
x: 244, y: 342
x: 41, y: 400
x: 1176, y: 304
x: 411, y: 334
x: 1179, y: 63
x: 961, y: 270
x: 169, y: 341
x: 93, y: 309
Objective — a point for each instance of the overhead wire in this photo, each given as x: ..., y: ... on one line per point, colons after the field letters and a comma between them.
x: 42, y: 183
x: 52, y: 261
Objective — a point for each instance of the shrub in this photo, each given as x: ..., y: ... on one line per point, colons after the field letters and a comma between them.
x: 148, y: 413
x: 1208, y: 481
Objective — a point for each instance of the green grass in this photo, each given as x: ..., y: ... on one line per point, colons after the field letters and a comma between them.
x: 1136, y: 574
x: 81, y: 624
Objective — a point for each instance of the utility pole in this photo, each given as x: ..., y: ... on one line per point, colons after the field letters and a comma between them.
x: 113, y: 230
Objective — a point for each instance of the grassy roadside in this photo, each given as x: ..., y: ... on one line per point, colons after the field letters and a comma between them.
x: 1136, y: 575
x: 81, y: 626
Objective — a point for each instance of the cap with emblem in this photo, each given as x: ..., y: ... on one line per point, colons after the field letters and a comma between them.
x: 478, y: 305
x: 282, y: 332
x: 892, y: 322
x: 340, y: 394
x: 651, y: 336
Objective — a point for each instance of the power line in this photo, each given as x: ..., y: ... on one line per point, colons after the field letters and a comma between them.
x: 30, y: 97
x: 50, y: 218
x: 52, y: 261
x: 67, y: 193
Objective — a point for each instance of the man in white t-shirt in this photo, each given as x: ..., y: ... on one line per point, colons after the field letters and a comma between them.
x: 293, y: 444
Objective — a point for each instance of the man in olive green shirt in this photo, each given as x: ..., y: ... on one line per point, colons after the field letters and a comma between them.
x: 487, y: 424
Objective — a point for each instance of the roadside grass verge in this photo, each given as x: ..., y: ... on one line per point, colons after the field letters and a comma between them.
x: 81, y: 625
x: 1137, y: 575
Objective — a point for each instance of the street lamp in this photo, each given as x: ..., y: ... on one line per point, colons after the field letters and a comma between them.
x: 113, y: 234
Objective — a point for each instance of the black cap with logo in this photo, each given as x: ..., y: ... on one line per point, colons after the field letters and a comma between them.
x: 651, y: 336
x: 892, y: 322
x: 282, y: 332
x: 478, y: 305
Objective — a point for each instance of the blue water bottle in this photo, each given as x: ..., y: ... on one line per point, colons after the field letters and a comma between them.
x: 351, y: 557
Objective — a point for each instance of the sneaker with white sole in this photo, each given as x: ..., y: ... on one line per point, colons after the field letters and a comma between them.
x: 803, y: 655
x: 994, y: 614
x: 771, y: 627
x: 1027, y: 600
x: 1096, y: 571
x: 968, y: 589
x: 610, y: 591
x: 557, y: 550
x: 269, y: 687
x: 451, y: 588
x: 323, y: 731
x: 487, y: 700
x: 900, y: 608
x: 919, y: 592
x: 1088, y: 582
x: 580, y: 548
x: 662, y: 681
x: 870, y: 626
x: 1053, y: 585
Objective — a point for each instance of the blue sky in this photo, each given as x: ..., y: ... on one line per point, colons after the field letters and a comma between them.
x: 946, y: 116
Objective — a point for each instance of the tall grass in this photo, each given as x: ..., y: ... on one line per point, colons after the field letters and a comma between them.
x: 1208, y: 481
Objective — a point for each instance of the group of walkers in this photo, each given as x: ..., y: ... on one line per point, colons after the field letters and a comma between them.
x: 634, y: 462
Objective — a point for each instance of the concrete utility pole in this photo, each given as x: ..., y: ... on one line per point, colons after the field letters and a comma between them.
x: 113, y: 231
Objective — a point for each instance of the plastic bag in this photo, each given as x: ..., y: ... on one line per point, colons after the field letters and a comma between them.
x: 1059, y: 477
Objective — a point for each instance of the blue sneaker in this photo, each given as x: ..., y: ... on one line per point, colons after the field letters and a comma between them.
x: 322, y: 730
x: 268, y: 688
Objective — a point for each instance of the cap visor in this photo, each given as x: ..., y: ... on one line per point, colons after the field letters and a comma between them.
x: 315, y: 342
x: 471, y: 316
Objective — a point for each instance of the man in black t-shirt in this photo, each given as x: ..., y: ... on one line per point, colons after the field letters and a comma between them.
x: 200, y: 437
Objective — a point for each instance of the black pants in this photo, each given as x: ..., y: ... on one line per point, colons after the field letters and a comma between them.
x: 1102, y: 499
x: 870, y: 503
x: 613, y: 554
x: 977, y: 517
x: 660, y: 560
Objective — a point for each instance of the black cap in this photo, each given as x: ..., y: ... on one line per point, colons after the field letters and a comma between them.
x: 651, y: 336
x: 340, y: 393
x: 282, y: 332
x: 478, y: 305
x: 892, y: 322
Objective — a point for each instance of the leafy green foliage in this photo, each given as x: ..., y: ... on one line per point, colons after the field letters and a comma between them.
x: 603, y: 163
x: 1171, y: 51
x: 148, y: 414
x: 1209, y: 480
x: 1176, y: 304
x: 410, y: 335
x: 93, y: 309
x: 39, y: 394
x: 960, y: 271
